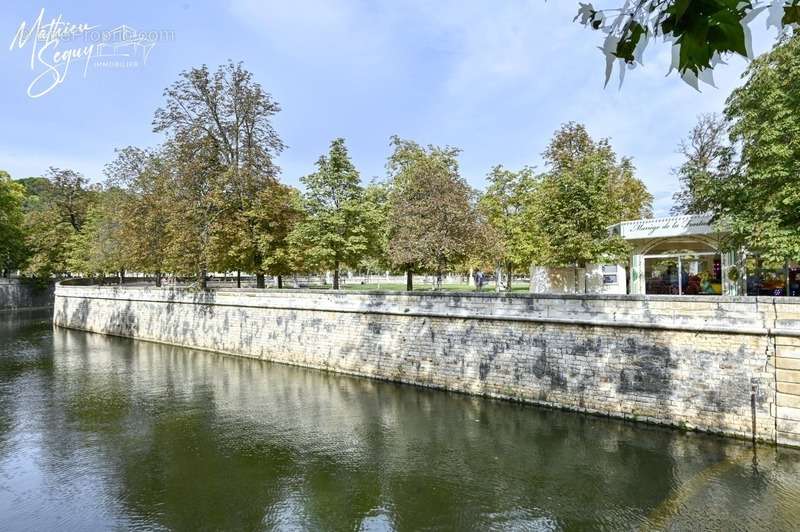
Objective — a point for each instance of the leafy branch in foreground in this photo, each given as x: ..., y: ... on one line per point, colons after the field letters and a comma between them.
x: 702, y: 32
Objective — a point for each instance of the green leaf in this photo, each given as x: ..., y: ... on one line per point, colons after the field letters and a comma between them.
x: 627, y: 46
x: 791, y: 14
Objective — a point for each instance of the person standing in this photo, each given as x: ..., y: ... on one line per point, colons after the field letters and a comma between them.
x: 478, y: 280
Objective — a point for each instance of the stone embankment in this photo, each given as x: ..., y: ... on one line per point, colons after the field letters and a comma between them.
x: 719, y: 364
x: 22, y: 294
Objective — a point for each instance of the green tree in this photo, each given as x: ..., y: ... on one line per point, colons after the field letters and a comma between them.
x: 629, y: 195
x: 336, y: 230
x: 277, y: 211
x: 704, y: 32
x: 196, y: 195
x: 708, y: 161
x: 432, y: 221
x: 584, y: 191
x: 377, y: 197
x: 510, y: 205
x: 70, y: 195
x: 54, y: 217
x: 144, y: 209
x: 760, y: 202
x: 35, y: 189
x: 231, y: 112
x: 12, y: 238
x: 99, y: 248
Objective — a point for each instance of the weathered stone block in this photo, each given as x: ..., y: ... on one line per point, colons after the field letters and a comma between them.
x: 787, y: 400
x: 783, y: 350
x: 788, y: 375
x: 785, y: 412
x: 787, y: 363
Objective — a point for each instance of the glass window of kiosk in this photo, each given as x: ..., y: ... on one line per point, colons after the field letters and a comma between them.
x: 765, y: 279
x: 683, y: 274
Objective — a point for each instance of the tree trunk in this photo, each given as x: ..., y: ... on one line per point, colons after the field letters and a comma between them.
x: 158, y: 279
x: 336, y: 275
x: 202, y: 282
x: 238, y: 278
x: 280, y: 281
x: 259, y: 280
x: 498, y: 277
x: 409, y: 280
x: 122, y: 277
x: 509, y: 278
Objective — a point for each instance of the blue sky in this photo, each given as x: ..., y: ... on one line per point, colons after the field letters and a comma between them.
x: 493, y: 78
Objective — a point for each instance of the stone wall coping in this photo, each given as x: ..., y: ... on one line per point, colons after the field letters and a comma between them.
x: 757, y: 321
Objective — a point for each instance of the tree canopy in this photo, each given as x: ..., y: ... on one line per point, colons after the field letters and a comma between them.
x: 758, y: 200
x: 584, y: 191
x: 12, y: 237
x: 337, y: 229
x: 432, y: 220
x: 56, y: 210
x: 99, y: 247
x: 144, y: 209
x: 708, y: 161
x: 231, y: 114
x: 510, y: 204
x: 277, y: 210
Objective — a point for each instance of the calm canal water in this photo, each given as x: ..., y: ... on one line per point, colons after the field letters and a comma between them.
x: 101, y: 433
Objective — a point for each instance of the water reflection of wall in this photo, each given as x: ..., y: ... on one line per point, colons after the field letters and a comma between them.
x: 686, y: 361
x: 315, y: 449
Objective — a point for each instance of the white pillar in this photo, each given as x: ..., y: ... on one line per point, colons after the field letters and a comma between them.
x: 637, y: 274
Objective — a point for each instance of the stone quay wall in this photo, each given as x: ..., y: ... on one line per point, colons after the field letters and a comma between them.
x: 718, y: 364
x: 18, y: 294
